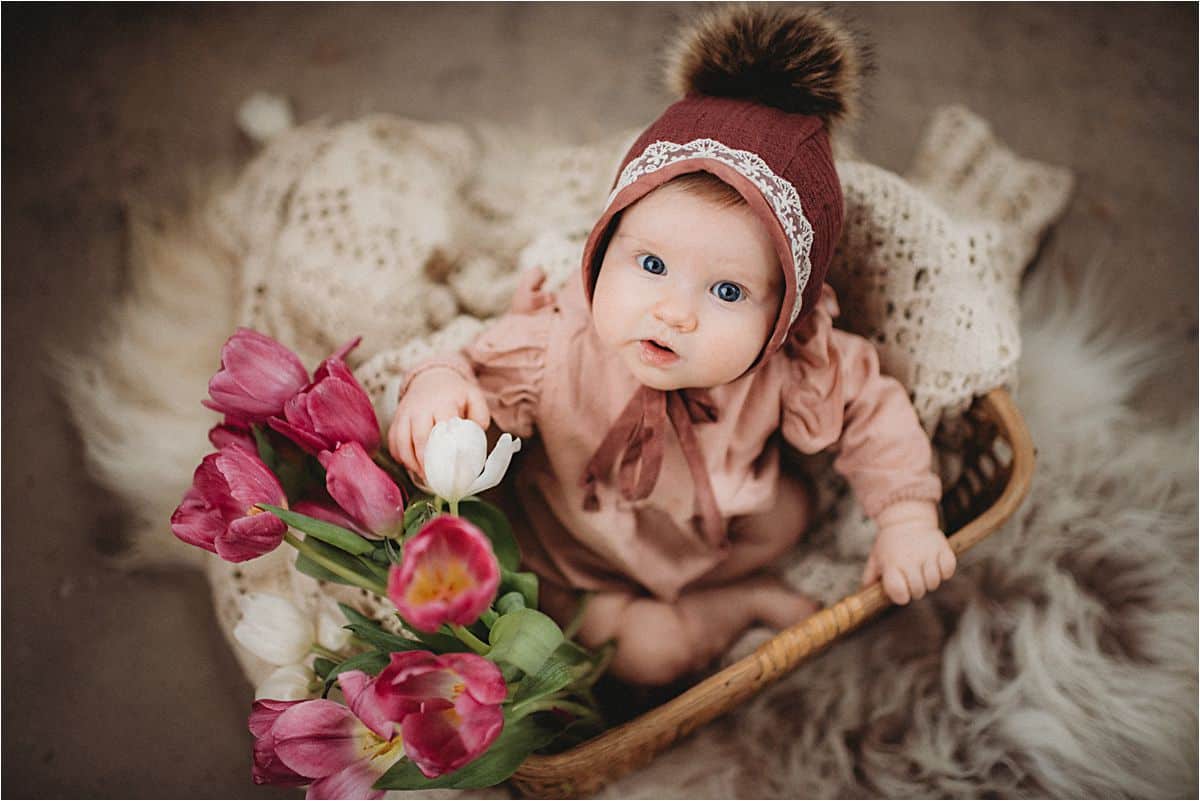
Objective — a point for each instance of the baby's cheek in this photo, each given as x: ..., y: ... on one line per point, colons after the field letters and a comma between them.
x: 733, y: 346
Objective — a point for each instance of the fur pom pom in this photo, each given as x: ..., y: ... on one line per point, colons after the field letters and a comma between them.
x: 795, y: 59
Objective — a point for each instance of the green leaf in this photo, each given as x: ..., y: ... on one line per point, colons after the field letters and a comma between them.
x: 310, y: 568
x: 338, y: 557
x: 441, y: 643
x: 418, y: 513
x: 518, y: 740
x: 524, y: 583
x: 338, y: 537
x: 554, y: 674
x: 524, y: 638
x: 495, y: 525
x: 266, y: 451
x: 510, y: 602
x: 375, y: 569
x: 370, y: 663
x: 373, y: 633
x: 322, y: 666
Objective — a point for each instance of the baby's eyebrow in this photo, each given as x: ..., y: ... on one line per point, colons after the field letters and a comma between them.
x: 627, y: 235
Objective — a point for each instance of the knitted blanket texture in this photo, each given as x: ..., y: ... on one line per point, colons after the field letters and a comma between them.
x: 1061, y: 658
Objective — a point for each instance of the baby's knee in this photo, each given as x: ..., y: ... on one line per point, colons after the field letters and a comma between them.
x: 654, y: 645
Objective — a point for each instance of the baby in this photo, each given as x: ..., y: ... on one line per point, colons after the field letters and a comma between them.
x: 660, y: 386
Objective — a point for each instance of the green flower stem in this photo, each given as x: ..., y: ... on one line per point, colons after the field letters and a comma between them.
x: 321, y: 650
x: 357, y: 579
x: 470, y: 640
x: 547, y: 704
x: 454, y: 508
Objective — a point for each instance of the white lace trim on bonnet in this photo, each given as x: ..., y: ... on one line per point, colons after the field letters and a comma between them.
x: 779, y: 193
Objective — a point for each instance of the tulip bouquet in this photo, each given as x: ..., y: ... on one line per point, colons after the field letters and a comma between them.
x: 468, y: 678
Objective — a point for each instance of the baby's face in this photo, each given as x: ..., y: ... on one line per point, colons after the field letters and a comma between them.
x: 688, y: 290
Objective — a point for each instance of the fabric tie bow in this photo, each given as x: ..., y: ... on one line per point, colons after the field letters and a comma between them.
x: 638, y: 438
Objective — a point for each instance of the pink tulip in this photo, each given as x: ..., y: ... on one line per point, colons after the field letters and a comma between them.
x: 257, y: 376
x: 322, y: 742
x: 218, y: 513
x: 233, y: 433
x: 331, y: 410
x: 364, y: 490
x: 448, y: 574
x: 268, y: 768
x: 448, y: 706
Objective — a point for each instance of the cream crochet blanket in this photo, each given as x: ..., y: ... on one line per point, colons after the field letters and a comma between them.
x: 412, y: 235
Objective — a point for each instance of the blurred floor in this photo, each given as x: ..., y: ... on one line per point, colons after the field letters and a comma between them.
x: 121, y: 685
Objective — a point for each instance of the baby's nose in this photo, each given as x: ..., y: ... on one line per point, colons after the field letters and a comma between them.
x: 675, y: 314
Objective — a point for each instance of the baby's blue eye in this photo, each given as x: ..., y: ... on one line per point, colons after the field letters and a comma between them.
x: 728, y: 291
x: 652, y: 264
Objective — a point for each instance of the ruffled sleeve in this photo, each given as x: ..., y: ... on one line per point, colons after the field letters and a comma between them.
x: 834, y: 395
x: 507, y: 362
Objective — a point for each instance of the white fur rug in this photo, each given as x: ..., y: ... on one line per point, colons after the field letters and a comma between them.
x: 1060, y: 661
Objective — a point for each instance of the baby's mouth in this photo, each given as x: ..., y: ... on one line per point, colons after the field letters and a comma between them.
x: 656, y: 353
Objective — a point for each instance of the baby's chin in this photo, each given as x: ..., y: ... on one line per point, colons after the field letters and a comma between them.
x: 669, y: 379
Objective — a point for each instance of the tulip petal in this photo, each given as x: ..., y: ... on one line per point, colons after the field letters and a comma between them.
x: 257, y: 375
x: 341, y: 353
x: 267, y: 767
x: 448, y: 574
x: 319, y: 738
x: 196, y: 522
x: 480, y: 724
x: 231, y: 436
x: 482, y: 677
x: 251, y: 537
x: 362, y: 488
x: 262, y: 364
x: 212, y: 485
x: 442, y: 741
x: 354, y: 781
x: 307, y: 440
x: 497, y: 464
x: 341, y: 412
x: 250, y: 481
x: 454, y: 457
x: 359, y: 691
x: 265, y: 712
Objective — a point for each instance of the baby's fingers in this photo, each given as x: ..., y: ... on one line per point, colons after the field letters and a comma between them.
x: 400, y: 441
x: 916, y: 582
x: 931, y: 574
x: 947, y: 562
x: 895, y: 586
x: 871, y: 571
x: 476, y: 408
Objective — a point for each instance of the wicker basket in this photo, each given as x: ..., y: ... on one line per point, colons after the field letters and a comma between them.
x: 997, y: 469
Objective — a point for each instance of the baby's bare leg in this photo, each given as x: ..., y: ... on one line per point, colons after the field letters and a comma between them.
x: 658, y: 642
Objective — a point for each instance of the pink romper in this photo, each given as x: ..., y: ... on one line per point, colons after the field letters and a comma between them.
x: 548, y: 380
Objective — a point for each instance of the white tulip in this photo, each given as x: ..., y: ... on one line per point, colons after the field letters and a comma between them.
x: 331, y: 631
x: 273, y: 629
x: 455, y: 467
x: 288, y: 683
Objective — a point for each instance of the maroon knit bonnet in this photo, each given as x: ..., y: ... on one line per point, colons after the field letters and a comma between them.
x: 760, y: 88
x: 779, y: 162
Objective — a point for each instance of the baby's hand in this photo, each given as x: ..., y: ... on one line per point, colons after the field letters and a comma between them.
x: 910, y: 553
x: 433, y: 396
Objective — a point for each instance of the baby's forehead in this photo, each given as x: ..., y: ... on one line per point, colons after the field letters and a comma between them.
x: 673, y: 222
